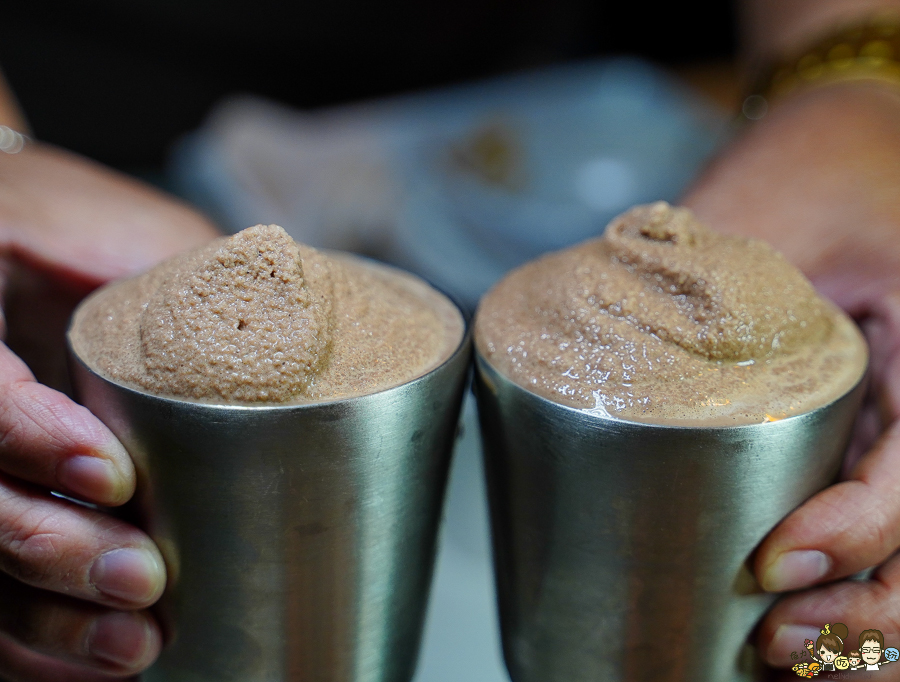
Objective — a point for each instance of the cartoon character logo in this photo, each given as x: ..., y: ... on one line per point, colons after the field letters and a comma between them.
x: 871, y: 646
x: 827, y: 652
x: 829, y: 646
x: 807, y: 669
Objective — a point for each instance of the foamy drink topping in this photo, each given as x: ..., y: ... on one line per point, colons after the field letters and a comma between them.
x: 259, y: 318
x: 664, y: 320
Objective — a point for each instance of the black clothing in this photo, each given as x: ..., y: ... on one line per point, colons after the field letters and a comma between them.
x: 119, y: 80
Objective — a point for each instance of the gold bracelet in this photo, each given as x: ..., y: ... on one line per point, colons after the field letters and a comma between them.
x: 11, y: 141
x: 863, y: 52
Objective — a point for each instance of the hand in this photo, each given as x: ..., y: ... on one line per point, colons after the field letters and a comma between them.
x: 75, y: 582
x: 819, y: 178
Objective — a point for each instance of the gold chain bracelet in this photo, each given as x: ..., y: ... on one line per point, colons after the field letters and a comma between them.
x: 864, y: 52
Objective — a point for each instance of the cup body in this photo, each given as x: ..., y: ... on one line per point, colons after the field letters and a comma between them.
x: 622, y: 549
x: 299, y: 539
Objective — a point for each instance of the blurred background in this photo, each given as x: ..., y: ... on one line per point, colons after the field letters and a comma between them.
x: 456, y: 140
x: 120, y: 80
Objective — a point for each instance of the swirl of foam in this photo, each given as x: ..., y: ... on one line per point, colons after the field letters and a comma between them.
x: 682, y: 288
x: 664, y: 320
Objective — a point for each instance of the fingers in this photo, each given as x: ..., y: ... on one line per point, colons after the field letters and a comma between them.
x: 842, y: 530
x: 20, y: 664
x: 44, y: 636
x: 47, y: 439
x: 861, y: 605
x: 59, y: 546
x: 854, y: 524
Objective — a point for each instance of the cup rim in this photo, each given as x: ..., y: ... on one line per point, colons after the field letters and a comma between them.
x: 272, y: 407
x: 483, y: 367
x: 465, y: 341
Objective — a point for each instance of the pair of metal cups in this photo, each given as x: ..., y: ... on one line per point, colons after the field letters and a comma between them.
x: 300, y: 539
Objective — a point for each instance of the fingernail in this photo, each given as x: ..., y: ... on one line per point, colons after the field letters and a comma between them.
x: 121, y: 638
x: 788, y: 645
x: 793, y: 570
x: 135, y: 575
x: 94, y: 478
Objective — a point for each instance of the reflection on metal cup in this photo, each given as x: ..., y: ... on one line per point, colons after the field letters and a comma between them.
x: 622, y: 549
x: 299, y: 539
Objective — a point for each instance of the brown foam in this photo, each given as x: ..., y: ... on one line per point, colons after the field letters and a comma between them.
x: 664, y: 321
x: 258, y: 318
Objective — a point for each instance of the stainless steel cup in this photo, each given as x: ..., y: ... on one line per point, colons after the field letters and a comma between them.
x: 621, y: 549
x: 299, y: 539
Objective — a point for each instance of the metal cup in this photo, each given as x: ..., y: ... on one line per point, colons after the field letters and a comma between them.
x: 299, y: 539
x: 621, y: 549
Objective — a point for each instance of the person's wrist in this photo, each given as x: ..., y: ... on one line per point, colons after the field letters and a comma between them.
x: 10, y: 112
x: 820, y: 159
x: 773, y: 29
x: 840, y: 104
x: 865, y: 51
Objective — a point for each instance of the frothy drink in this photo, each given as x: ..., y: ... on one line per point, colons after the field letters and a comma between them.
x: 298, y: 527
x: 257, y: 317
x: 664, y: 321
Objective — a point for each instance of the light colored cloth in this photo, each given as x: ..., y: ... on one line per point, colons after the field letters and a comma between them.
x: 462, y: 184
x: 459, y: 185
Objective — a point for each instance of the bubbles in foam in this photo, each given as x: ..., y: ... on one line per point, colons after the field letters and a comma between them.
x: 664, y: 320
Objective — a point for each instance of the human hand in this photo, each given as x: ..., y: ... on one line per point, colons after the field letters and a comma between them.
x: 75, y: 582
x: 819, y: 178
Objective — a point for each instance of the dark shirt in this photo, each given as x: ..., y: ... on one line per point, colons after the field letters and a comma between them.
x: 119, y: 80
